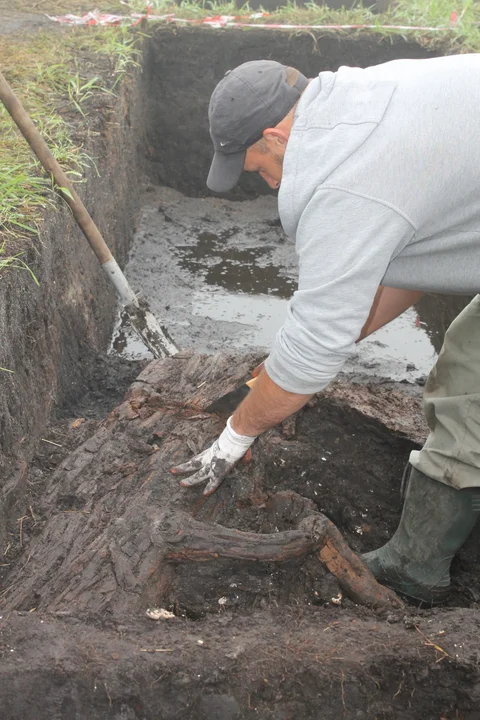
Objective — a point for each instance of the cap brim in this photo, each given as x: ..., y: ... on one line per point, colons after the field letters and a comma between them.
x: 225, y: 171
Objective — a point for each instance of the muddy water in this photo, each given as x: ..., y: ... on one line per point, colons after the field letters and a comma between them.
x: 218, y: 274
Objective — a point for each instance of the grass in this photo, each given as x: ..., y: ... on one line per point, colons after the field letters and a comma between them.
x: 55, y: 86
x: 464, y: 36
x: 15, y: 261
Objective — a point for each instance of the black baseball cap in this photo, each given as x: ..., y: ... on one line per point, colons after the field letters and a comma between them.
x: 252, y: 97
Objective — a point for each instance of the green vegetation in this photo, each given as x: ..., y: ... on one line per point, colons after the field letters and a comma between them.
x: 15, y: 261
x: 54, y: 81
x: 462, y: 36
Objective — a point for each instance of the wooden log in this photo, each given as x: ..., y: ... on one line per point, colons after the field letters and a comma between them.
x: 189, y: 540
x: 198, y: 541
x: 117, y: 530
x: 354, y: 577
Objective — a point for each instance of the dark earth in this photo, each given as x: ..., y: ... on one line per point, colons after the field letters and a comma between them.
x: 97, y: 533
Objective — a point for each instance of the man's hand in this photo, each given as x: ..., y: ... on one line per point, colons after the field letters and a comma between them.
x: 216, y: 462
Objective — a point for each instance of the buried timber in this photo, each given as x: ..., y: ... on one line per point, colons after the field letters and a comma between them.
x: 266, y: 610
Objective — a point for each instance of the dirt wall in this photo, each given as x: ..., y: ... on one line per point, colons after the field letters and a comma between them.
x: 184, y: 66
x: 51, y: 334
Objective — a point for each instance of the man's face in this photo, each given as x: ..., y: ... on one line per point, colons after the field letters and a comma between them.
x: 268, y: 163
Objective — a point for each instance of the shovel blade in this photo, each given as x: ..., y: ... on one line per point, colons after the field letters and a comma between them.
x: 228, y: 403
x: 147, y: 327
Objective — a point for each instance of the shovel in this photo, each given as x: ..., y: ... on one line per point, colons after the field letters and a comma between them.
x: 228, y: 403
x: 141, y: 319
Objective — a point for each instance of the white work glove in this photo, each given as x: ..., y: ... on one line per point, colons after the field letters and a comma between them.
x: 216, y: 462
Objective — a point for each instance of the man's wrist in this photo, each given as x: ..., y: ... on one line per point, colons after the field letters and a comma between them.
x: 237, y: 437
x: 238, y: 428
x: 231, y: 445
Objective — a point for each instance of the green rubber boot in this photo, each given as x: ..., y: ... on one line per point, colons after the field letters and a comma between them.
x: 436, y: 521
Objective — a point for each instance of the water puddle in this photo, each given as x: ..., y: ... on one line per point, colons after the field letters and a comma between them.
x: 219, y: 274
x: 261, y: 315
x: 401, y: 350
x: 240, y: 270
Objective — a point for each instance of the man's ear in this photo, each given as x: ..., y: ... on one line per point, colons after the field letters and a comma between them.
x: 276, y: 136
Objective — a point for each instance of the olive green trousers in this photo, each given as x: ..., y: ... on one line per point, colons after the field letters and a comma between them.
x: 451, y: 453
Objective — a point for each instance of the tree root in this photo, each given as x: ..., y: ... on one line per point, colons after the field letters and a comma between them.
x: 190, y: 540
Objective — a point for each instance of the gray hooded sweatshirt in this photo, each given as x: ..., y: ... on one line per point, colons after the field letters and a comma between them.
x: 381, y: 185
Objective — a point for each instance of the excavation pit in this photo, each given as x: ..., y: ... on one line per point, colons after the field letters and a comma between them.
x: 111, y: 537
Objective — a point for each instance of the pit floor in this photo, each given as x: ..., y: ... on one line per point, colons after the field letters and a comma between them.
x: 231, y: 271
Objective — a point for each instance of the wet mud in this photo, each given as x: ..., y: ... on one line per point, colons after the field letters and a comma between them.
x: 220, y: 273
x: 217, y: 273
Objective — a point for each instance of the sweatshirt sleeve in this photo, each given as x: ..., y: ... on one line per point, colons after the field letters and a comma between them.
x: 344, y: 243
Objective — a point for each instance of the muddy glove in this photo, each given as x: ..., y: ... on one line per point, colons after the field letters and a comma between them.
x: 216, y: 462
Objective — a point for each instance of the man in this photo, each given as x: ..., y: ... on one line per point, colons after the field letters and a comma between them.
x: 377, y: 171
